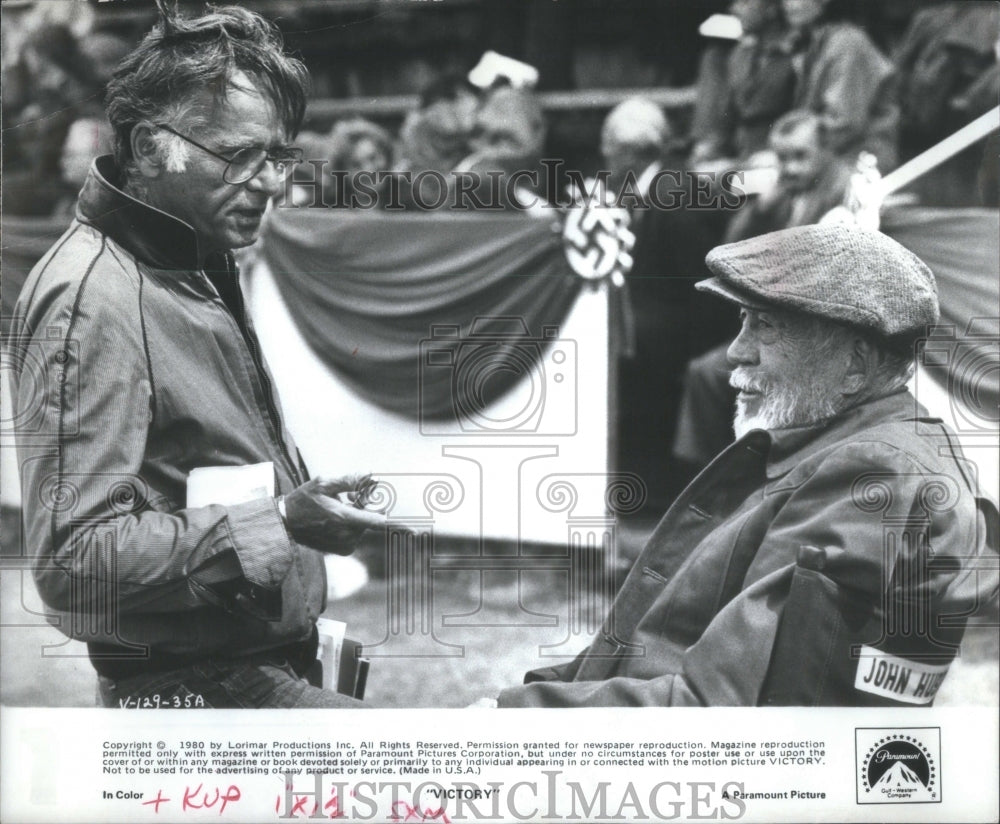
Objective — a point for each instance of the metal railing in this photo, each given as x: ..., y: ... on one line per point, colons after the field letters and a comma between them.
x: 400, y: 104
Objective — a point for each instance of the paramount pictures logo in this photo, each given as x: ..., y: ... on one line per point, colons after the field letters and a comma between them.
x: 898, y: 765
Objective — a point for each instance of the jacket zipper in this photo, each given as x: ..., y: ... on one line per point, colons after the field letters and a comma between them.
x: 274, y: 418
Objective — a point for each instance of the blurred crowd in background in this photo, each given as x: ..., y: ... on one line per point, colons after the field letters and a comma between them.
x: 810, y: 88
x: 891, y: 84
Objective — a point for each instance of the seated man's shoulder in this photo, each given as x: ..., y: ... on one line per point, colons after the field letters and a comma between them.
x: 889, y: 447
x: 900, y: 455
x: 890, y: 475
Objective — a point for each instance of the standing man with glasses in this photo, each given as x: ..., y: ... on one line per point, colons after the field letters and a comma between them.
x: 135, y: 363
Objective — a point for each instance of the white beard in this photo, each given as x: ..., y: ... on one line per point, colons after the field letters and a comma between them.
x: 780, y: 406
x: 743, y: 423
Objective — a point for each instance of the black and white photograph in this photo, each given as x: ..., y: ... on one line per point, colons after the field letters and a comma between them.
x: 380, y: 374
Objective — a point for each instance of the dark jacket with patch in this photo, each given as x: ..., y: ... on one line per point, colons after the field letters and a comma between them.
x: 831, y: 565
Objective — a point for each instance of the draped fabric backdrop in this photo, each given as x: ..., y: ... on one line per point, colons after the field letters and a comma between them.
x: 962, y: 248
x: 367, y: 290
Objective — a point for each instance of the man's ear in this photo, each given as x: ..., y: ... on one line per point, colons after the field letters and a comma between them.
x: 146, y: 150
x: 860, y: 367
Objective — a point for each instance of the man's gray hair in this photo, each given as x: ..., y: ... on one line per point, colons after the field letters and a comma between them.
x: 636, y: 122
x: 893, y: 365
x: 795, y: 119
x: 182, y: 56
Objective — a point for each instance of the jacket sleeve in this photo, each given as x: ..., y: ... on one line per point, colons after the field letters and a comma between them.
x: 853, y: 75
x: 826, y: 554
x: 98, y: 531
x: 713, y: 119
x: 726, y: 666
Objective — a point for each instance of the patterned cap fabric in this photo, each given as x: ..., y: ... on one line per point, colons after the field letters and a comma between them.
x: 837, y: 271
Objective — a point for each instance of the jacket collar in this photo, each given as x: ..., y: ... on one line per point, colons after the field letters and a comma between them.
x: 789, y: 447
x: 156, y: 238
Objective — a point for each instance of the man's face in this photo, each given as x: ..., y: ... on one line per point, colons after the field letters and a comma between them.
x: 786, y: 374
x: 367, y: 156
x: 497, y: 139
x: 225, y: 216
x: 507, y: 126
x: 752, y: 14
x: 801, y: 157
x: 621, y: 158
x: 800, y: 14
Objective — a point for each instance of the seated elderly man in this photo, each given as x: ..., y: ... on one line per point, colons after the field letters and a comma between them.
x: 810, y: 563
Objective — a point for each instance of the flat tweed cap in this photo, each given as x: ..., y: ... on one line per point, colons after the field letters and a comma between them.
x: 838, y: 271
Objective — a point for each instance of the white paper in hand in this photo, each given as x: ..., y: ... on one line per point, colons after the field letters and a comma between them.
x: 230, y: 485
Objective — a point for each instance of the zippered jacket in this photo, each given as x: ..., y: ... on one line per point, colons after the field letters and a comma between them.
x: 132, y: 367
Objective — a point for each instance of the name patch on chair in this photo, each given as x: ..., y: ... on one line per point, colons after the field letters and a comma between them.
x: 898, y: 679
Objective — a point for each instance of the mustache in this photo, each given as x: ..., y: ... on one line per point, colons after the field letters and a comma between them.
x: 743, y: 380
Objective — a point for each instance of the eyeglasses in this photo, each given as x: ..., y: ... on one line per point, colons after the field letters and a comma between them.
x: 247, y: 162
